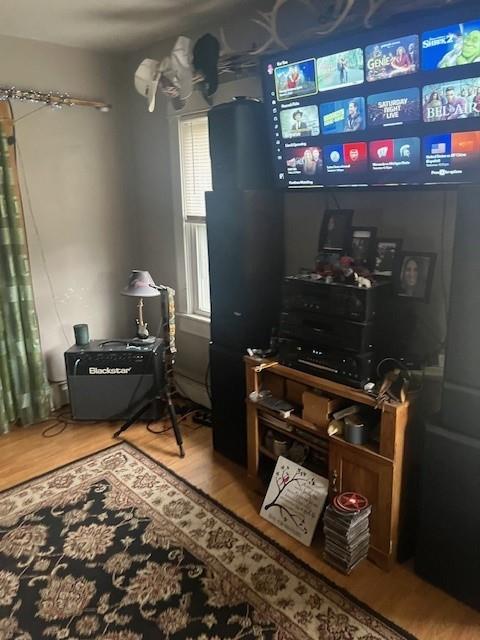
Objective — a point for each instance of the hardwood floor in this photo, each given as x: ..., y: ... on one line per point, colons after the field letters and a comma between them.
x: 399, y: 595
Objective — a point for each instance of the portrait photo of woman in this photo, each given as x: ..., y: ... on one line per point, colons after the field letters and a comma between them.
x: 415, y: 275
x: 336, y: 229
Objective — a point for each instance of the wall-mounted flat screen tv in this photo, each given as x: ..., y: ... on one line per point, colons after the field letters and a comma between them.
x: 397, y: 106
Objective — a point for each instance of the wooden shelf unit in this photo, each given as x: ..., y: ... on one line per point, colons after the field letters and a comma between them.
x: 375, y: 472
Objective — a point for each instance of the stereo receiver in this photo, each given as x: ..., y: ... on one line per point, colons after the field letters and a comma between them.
x: 351, y: 369
x: 349, y: 302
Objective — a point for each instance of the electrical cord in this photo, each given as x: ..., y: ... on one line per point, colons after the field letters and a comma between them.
x: 406, y: 370
x: 397, y: 362
x: 335, y: 199
x: 179, y: 421
x: 207, y: 384
x: 157, y: 433
x: 63, y: 426
x: 40, y: 244
x: 30, y: 113
x: 124, y: 342
x: 64, y: 420
x: 66, y: 417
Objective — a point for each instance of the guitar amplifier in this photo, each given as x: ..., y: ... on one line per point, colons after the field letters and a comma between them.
x: 354, y: 370
x: 110, y: 380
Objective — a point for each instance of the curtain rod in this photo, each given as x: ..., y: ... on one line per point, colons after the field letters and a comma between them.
x: 52, y: 98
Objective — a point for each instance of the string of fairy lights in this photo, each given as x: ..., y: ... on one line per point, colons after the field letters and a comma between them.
x: 54, y: 99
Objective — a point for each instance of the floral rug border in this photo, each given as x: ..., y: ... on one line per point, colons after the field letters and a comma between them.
x: 314, y: 579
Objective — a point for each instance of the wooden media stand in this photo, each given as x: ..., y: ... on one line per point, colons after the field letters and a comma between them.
x: 374, y: 469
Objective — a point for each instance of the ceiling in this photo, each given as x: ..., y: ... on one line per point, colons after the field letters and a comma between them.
x: 110, y: 25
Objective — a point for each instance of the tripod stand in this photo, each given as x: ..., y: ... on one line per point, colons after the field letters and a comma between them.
x: 163, y: 394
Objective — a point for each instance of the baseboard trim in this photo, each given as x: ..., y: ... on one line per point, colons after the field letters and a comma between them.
x: 196, y: 391
x: 59, y: 394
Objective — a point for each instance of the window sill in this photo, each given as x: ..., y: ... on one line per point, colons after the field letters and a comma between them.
x: 196, y: 325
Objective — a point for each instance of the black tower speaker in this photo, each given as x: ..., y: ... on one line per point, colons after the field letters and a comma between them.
x: 246, y: 248
x: 448, y: 544
x: 227, y: 376
x: 448, y: 548
x: 239, y: 145
x: 461, y: 391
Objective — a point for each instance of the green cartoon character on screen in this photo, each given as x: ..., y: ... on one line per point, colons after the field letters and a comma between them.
x: 466, y: 51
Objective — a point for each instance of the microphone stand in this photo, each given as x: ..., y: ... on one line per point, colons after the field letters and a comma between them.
x: 164, y: 394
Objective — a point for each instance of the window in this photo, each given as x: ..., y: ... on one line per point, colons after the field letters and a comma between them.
x: 196, y: 179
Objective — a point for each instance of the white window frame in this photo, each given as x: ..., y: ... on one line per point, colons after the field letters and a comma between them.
x: 190, y: 318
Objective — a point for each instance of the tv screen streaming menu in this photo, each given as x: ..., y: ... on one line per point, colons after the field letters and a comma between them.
x: 397, y: 105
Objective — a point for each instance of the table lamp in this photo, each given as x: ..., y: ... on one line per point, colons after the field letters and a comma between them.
x: 139, y: 287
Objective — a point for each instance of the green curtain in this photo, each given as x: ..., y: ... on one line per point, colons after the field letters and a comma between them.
x: 24, y: 389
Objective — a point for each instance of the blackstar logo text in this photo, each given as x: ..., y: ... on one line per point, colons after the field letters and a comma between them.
x: 107, y: 370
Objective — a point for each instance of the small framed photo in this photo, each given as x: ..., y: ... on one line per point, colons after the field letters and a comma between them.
x: 413, y: 275
x: 363, y: 245
x: 327, y: 261
x: 386, y: 254
x: 336, y: 230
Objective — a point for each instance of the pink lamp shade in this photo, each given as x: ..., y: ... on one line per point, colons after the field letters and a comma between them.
x: 139, y: 285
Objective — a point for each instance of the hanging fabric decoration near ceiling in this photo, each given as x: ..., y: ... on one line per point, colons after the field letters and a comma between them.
x: 173, y: 75
x: 176, y: 74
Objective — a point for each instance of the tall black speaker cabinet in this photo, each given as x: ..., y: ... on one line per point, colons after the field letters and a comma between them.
x: 239, y: 145
x: 448, y: 550
x: 461, y: 390
x: 246, y: 248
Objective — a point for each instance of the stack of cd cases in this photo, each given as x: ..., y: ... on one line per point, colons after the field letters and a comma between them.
x: 347, y: 532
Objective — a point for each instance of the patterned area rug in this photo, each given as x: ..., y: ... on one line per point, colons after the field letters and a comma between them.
x: 117, y: 547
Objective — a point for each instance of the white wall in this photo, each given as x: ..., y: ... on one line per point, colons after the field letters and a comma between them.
x: 80, y: 224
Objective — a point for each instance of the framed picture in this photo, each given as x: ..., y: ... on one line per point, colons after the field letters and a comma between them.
x: 413, y: 275
x: 328, y: 259
x: 386, y: 253
x: 336, y: 230
x: 363, y: 245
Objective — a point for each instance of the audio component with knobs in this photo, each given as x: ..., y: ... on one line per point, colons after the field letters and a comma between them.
x: 354, y: 370
x: 326, y: 330
x: 345, y: 301
x: 334, y: 330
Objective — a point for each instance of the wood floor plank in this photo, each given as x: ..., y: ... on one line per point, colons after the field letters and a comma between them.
x: 400, y: 595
